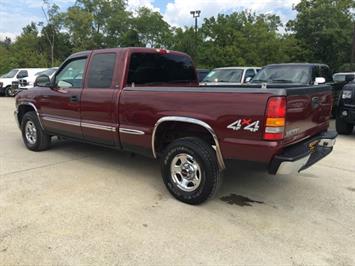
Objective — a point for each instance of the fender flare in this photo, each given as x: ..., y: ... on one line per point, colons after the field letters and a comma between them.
x: 35, y: 109
x: 195, y: 121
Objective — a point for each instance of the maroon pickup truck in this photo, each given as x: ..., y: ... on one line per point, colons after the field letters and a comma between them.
x: 148, y: 101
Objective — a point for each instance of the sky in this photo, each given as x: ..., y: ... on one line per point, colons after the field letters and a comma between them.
x: 15, y: 14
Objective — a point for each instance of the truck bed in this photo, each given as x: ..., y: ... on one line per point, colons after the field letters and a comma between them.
x: 221, y: 106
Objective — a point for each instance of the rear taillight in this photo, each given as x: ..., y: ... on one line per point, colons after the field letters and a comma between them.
x: 275, y: 118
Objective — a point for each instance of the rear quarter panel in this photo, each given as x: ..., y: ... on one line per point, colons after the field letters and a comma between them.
x: 141, y: 108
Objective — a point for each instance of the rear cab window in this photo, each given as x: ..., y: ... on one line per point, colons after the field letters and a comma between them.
x: 154, y: 69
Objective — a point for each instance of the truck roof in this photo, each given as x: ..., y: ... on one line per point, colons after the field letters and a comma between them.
x: 131, y: 49
x: 345, y: 73
x: 238, y: 67
x: 299, y: 64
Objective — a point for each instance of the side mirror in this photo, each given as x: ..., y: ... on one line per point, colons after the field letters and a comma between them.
x: 319, y: 80
x: 248, y: 79
x: 42, y: 81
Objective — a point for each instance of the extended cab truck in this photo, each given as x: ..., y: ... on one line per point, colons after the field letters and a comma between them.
x: 148, y: 101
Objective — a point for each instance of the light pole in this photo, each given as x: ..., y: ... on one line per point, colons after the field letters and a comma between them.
x: 352, y: 59
x: 196, y: 14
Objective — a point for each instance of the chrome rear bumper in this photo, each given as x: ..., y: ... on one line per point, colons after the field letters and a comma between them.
x: 300, y: 156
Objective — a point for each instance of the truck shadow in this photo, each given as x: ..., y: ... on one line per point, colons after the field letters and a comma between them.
x: 244, y: 179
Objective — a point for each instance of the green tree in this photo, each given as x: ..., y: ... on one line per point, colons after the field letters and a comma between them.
x: 151, y: 28
x: 242, y: 38
x: 184, y: 40
x: 324, y: 27
x: 53, y: 25
x: 26, y: 51
x: 97, y: 23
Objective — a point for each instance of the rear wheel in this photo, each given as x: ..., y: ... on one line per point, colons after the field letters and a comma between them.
x: 10, y: 92
x: 33, y: 135
x: 190, y: 170
x: 342, y: 127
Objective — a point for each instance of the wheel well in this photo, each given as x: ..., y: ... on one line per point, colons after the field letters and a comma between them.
x: 169, y: 131
x: 22, y: 110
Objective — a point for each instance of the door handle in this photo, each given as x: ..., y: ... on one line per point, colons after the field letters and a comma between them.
x: 74, y: 99
x: 315, y: 102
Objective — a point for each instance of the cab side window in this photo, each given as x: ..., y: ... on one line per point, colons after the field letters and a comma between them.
x: 71, y: 76
x: 22, y: 74
x: 101, y: 71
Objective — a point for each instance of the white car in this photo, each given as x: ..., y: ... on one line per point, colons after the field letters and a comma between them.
x: 15, y: 75
x: 230, y: 76
x: 343, y: 77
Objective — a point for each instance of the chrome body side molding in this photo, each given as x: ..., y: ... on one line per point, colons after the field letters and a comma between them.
x: 78, y: 124
x: 100, y: 127
x: 62, y: 121
x: 191, y: 121
x: 131, y: 131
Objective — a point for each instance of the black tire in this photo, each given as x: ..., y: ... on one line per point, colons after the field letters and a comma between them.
x: 9, y: 92
x: 42, y: 140
x: 209, y: 175
x: 342, y: 127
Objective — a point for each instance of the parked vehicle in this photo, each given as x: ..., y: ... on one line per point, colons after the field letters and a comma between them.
x: 345, y: 119
x: 202, y: 73
x: 15, y: 75
x: 230, y: 76
x: 148, y: 101
x: 344, y: 77
x: 28, y: 83
x: 299, y: 74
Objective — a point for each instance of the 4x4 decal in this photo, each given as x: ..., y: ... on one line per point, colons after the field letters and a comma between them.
x: 245, y: 124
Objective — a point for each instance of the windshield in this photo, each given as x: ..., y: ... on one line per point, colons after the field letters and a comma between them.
x: 284, y: 74
x: 225, y: 75
x: 47, y: 72
x: 10, y: 74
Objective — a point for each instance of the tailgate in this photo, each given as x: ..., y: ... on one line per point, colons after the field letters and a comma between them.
x: 308, y: 112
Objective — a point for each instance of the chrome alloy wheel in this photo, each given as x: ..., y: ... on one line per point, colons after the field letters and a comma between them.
x: 185, y: 172
x: 31, y: 132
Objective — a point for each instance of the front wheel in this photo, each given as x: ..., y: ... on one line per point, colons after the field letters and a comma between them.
x: 342, y: 127
x: 33, y: 135
x: 10, y: 92
x: 190, y: 170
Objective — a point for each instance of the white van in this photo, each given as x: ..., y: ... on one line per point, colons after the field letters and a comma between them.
x: 28, y: 74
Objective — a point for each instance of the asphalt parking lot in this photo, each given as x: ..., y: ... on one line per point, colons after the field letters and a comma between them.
x: 81, y: 204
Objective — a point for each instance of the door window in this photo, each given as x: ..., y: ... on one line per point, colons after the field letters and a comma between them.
x: 250, y: 73
x: 101, y: 71
x: 22, y: 74
x: 71, y: 76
